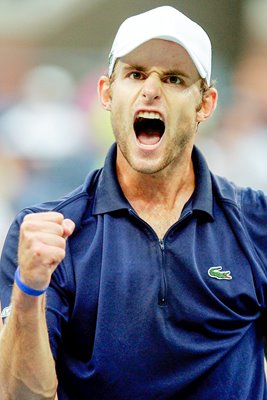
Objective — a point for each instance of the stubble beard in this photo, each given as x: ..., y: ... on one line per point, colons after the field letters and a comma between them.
x: 172, y: 154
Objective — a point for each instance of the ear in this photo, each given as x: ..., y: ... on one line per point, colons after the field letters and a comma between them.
x: 208, y: 105
x: 104, y: 90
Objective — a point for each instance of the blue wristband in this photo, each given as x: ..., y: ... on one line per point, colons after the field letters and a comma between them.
x: 26, y: 289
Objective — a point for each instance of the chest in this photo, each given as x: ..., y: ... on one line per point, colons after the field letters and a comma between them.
x: 160, y: 220
x: 126, y: 265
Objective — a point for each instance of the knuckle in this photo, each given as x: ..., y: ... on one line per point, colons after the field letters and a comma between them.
x: 56, y: 216
x: 37, y: 250
x: 60, y: 230
x: 63, y: 243
x: 25, y: 236
x: 27, y: 225
x: 27, y: 217
x: 57, y: 257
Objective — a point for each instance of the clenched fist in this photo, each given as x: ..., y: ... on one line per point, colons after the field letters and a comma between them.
x: 42, y: 244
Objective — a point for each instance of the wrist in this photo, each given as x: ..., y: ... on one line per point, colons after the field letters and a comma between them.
x: 25, y: 288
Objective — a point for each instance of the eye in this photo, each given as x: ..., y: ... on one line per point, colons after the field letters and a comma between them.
x: 136, y: 75
x: 173, y: 79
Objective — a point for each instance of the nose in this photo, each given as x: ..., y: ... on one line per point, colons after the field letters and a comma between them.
x: 151, y: 89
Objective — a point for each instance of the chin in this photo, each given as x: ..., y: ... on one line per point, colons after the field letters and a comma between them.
x: 147, y: 168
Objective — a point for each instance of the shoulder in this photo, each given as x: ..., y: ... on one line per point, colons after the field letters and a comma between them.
x: 246, y: 199
x: 72, y: 205
x: 247, y: 208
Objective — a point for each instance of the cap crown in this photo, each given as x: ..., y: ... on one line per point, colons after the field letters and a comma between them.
x: 164, y: 23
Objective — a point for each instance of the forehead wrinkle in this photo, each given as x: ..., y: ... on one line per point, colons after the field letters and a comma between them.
x: 130, y: 67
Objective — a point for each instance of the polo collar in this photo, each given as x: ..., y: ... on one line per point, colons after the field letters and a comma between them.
x: 109, y: 196
x: 202, y: 198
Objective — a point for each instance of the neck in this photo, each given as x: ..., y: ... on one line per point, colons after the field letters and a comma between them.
x: 169, y: 189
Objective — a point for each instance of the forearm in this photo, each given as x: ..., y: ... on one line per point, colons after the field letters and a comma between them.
x: 27, y: 368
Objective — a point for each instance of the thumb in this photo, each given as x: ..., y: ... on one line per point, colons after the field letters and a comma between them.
x: 68, y: 226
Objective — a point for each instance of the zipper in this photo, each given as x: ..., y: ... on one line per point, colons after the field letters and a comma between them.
x: 162, y: 298
x: 163, y: 288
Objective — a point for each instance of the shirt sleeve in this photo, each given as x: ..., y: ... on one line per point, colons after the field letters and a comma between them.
x: 8, y: 265
x: 254, y: 211
x: 59, y: 301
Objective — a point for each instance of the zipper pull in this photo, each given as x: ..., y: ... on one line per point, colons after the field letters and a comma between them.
x: 161, y: 243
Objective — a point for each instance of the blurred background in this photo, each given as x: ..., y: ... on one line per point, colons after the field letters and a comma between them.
x: 52, y: 128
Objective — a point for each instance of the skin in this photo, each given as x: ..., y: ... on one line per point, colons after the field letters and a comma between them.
x: 146, y: 90
x: 157, y: 179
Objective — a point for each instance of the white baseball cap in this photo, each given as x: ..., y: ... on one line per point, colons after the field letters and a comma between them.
x: 164, y: 23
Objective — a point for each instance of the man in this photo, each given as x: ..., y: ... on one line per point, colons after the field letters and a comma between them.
x: 149, y: 281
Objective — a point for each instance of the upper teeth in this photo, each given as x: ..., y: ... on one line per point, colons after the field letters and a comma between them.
x: 151, y: 115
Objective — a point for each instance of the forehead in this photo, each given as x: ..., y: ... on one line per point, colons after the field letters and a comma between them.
x: 161, y: 53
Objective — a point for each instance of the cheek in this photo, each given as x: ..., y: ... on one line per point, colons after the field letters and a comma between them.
x: 193, y: 97
x: 120, y: 118
x: 192, y: 108
x: 121, y: 106
x: 186, y: 111
x: 118, y: 100
x: 185, y: 117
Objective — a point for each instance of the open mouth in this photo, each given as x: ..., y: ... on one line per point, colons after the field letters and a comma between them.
x: 149, y: 128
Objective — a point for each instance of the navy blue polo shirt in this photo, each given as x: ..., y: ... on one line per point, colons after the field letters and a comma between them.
x: 134, y: 317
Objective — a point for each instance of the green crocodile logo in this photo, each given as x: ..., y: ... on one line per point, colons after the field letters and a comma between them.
x: 217, y: 273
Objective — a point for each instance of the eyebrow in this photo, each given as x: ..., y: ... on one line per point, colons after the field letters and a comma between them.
x: 129, y: 67
x: 177, y: 72
x: 141, y: 68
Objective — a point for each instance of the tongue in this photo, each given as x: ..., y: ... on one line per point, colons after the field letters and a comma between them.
x: 149, y: 138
